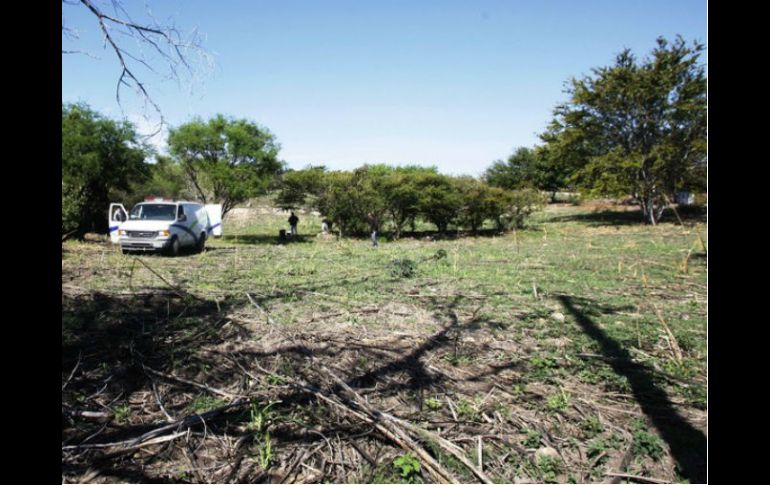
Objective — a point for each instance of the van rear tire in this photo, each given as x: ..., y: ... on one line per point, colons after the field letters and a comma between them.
x: 201, y: 246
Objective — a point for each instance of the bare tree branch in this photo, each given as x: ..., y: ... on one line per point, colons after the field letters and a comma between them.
x: 158, y: 46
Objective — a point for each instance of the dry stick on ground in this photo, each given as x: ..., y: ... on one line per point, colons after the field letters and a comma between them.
x: 122, y: 446
x: 671, y: 339
x: 624, y: 461
x: 300, y: 460
x: 80, y: 354
x: 226, y: 394
x: 386, y: 427
x: 269, y: 320
x: 190, y: 420
x: 451, y: 448
x: 637, y: 477
x: 181, y: 293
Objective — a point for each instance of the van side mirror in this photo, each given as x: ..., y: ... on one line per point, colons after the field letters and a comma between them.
x: 183, y: 217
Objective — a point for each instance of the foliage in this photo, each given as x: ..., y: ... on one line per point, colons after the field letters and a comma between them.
x: 408, y: 466
x: 166, y: 179
x: 516, y: 206
x: 99, y: 157
x: 296, y: 185
x: 645, y: 443
x: 637, y: 128
x: 227, y: 160
x: 515, y: 173
x: 402, y: 268
x: 533, y: 439
x: 439, y: 200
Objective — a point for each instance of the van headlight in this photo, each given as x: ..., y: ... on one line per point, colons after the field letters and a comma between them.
x: 121, y: 232
x: 164, y: 232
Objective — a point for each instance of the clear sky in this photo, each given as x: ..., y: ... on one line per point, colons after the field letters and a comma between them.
x: 455, y: 84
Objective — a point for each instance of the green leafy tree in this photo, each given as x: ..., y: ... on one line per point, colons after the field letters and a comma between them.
x: 440, y: 200
x: 477, y: 203
x: 636, y: 128
x: 515, y: 173
x: 100, y: 158
x: 227, y: 160
x: 297, y: 188
x: 348, y: 197
x: 401, y: 190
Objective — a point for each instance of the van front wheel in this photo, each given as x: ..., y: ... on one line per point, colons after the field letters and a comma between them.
x: 173, y: 248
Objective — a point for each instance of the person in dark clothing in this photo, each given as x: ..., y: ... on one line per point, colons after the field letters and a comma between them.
x: 374, y: 226
x: 293, y: 220
x: 119, y: 215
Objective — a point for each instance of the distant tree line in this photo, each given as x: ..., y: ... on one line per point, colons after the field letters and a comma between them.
x: 635, y: 128
x: 400, y: 196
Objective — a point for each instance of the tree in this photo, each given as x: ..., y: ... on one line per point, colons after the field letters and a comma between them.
x: 227, y: 160
x: 99, y: 158
x: 401, y: 190
x: 515, y: 173
x: 166, y: 179
x: 440, y: 199
x: 348, y: 197
x: 636, y: 128
x: 296, y: 186
x: 143, y: 48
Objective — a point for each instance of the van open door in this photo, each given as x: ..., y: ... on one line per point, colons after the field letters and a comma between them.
x: 115, y: 217
x: 215, y: 219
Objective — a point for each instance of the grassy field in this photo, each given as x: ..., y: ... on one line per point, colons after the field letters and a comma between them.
x: 572, y: 351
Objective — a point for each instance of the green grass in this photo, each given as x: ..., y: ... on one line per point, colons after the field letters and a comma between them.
x: 499, y: 289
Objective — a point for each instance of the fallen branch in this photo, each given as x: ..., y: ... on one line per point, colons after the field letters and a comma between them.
x: 194, y: 384
x: 671, y: 339
x: 395, y: 422
x: 637, y: 477
x: 267, y: 315
x: 73, y: 371
x: 386, y: 427
x: 180, y: 292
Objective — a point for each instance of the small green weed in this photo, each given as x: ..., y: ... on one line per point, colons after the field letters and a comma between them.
x: 542, y: 368
x: 647, y: 444
x: 558, y: 402
x: 201, y: 404
x: 433, y: 404
x: 591, y: 426
x: 265, y: 452
x: 259, y: 416
x: 533, y: 439
x: 549, y: 469
x: 122, y: 413
x: 466, y: 410
x: 408, y: 466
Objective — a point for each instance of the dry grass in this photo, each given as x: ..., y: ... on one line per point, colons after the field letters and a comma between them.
x: 464, y: 350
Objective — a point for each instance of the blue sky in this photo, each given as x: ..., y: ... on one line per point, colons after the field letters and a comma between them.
x: 455, y: 84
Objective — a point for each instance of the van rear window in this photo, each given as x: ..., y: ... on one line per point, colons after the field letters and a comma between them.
x: 153, y: 212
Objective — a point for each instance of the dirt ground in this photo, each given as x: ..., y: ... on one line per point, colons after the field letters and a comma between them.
x: 162, y: 385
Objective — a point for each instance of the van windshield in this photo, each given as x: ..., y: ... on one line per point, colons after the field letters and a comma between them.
x: 153, y: 212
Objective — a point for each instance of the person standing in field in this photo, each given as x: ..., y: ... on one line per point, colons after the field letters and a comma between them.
x: 293, y: 220
x: 374, y: 226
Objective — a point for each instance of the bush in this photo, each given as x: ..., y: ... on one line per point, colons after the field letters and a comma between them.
x: 519, y: 204
x: 402, y: 268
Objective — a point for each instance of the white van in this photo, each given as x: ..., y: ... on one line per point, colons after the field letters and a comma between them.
x: 164, y: 226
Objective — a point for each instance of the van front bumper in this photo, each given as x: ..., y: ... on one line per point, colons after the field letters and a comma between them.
x: 139, y: 244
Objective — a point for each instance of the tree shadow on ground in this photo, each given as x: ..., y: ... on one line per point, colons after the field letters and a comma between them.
x: 632, y: 217
x: 264, y: 239
x: 687, y: 443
